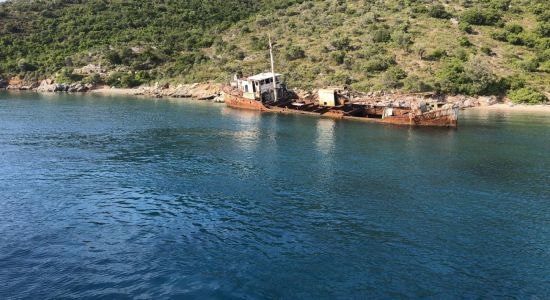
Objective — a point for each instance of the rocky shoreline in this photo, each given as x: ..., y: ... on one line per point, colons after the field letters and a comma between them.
x: 212, y: 91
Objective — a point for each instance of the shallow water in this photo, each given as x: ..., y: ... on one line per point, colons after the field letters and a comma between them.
x: 135, y: 198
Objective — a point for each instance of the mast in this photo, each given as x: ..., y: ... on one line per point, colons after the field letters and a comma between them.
x: 273, y: 69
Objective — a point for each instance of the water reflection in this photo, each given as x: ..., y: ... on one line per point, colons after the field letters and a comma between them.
x: 325, y: 136
x: 247, y: 132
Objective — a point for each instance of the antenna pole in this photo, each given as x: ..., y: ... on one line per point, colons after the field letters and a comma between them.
x: 273, y: 69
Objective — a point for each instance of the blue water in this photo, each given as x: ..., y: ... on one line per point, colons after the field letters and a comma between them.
x: 138, y: 198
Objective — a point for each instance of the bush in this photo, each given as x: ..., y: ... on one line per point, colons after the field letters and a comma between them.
x: 414, y: 84
x: 25, y: 66
x: 392, y: 77
x: 67, y: 76
x: 438, y: 11
x: 340, y: 78
x: 93, y: 79
x: 402, y: 39
x: 545, y: 66
x: 465, y: 27
x: 473, y: 78
x: 514, y: 39
x: 486, y: 50
x: 543, y: 29
x: 378, y: 63
x: 113, y: 58
x: 527, y: 95
x: 529, y: 64
x: 464, y: 41
x: 514, y: 82
x: 129, y: 80
x: 338, y: 57
x: 514, y: 28
x: 476, y: 16
x: 500, y: 4
x: 381, y: 36
x: 294, y: 52
x: 113, y: 79
x: 341, y: 43
x: 259, y: 44
x: 435, y: 55
x: 123, y: 80
x: 500, y: 35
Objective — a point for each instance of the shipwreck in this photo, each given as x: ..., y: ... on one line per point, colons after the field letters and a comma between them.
x: 267, y: 92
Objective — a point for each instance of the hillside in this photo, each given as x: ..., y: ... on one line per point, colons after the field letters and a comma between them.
x: 457, y: 47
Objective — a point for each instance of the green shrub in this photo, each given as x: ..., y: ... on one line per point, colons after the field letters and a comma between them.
x: 67, y: 76
x: 381, y: 36
x: 378, y: 63
x: 438, y: 11
x: 123, y: 80
x: 529, y: 65
x: 259, y: 44
x: 402, y: 39
x: 25, y: 66
x: 338, y: 57
x: 527, y: 95
x: 340, y: 78
x: 543, y: 29
x: 414, y: 84
x: 93, y: 79
x: 461, y: 54
x: 514, y: 82
x: 473, y: 78
x: 502, y: 5
x: 514, y: 39
x: 435, y: 55
x: 294, y: 52
x: 465, y: 27
x: 129, y: 81
x: 392, y: 78
x: 513, y: 28
x: 499, y: 35
x: 464, y: 41
x: 476, y: 16
x: 113, y: 79
x: 545, y: 66
x: 486, y: 50
x: 341, y: 43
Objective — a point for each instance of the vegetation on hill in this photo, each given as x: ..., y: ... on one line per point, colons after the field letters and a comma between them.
x: 470, y: 47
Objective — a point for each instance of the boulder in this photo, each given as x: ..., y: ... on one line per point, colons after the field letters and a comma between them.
x: 46, y: 86
x: 60, y: 88
x: 486, y: 101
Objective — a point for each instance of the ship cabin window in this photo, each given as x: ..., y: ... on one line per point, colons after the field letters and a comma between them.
x: 254, y: 86
x: 246, y: 88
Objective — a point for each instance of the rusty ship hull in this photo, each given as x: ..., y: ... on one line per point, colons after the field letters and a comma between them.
x: 445, y: 117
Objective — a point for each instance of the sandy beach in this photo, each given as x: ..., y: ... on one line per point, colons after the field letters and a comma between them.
x: 538, y: 108
x: 107, y: 91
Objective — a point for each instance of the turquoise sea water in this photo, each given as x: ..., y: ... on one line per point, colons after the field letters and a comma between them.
x: 137, y: 198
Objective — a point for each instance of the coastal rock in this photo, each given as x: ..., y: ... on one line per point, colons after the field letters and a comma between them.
x: 3, y: 84
x: 60, y: 88
x: 76, y: 88
x: 46, y: 86
x: 486, y: 101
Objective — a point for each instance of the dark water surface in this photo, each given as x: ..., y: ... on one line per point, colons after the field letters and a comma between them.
x: 123, y: 197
